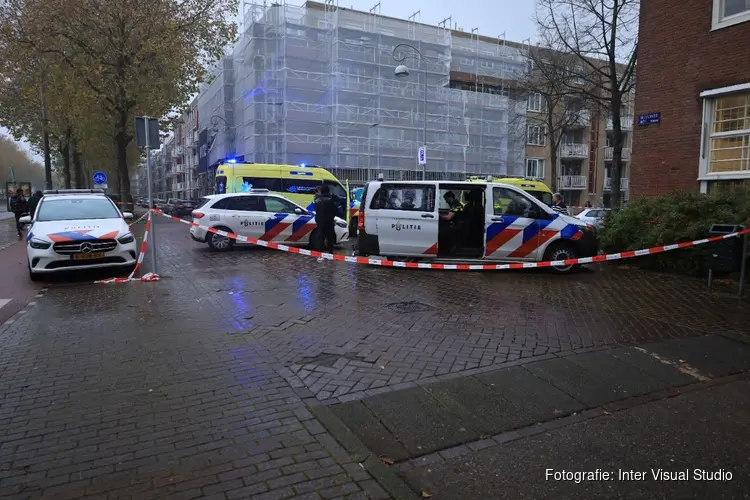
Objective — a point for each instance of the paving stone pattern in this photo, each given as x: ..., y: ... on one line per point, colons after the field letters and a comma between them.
x: 196, y: 386
x: 142, y: 391
x: 461, y: 414
x: 298, y: 308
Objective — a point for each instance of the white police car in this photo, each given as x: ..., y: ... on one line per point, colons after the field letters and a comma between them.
x: 77, y: 229
x: 257, y: 214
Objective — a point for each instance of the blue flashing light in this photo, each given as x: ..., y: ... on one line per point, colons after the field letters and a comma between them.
x: 232, y: 160
x: 302, y: 165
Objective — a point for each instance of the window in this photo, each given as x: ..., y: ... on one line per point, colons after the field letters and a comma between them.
x: 259, y: 183
x: 279, y: 205
x: 404, y: 197
x: 536, y: 135
x: 535, y: 168
x: 729, y: 141
x: 202, y: 202
x: 76, y: 209
x: 508, y: 202
x: 246, y: 204
x: 534, y: 103
x: 236, y: 203
x: 221, y: 184
x: 730, y: 12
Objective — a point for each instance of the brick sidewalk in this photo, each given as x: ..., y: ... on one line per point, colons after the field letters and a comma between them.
x: 150, y: 393
x: 201, y: 384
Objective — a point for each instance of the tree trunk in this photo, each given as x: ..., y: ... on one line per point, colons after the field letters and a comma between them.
x: 77, y: 165
x: 616, y: 173
x: 554, y: 144
x: 64, y: 148
x: 121, y: 147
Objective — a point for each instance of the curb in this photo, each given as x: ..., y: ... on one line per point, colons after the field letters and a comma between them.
x: 387, y: 478
x: 30, y: 305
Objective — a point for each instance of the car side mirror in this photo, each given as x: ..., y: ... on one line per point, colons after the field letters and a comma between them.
x: 298, y: 211
x: 127, y: 215
x: 26, y: 219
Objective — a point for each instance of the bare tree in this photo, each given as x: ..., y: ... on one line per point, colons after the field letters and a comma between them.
x: 603, y: 38
x: 554, y: 100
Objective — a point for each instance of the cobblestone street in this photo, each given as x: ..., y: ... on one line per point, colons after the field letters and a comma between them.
x: 205, y: 384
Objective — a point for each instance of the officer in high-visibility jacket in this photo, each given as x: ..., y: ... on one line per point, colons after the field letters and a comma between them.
x: 455, y: 208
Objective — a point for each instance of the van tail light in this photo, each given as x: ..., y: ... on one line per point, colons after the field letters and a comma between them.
x: 361, y: 219
x: 198, y: 215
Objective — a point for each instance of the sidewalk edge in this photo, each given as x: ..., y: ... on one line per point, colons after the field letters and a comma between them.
x: 387, y: 478
x: 26, y: 308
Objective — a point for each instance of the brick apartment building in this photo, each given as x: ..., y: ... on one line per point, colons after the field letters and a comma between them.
x: 693, y: 69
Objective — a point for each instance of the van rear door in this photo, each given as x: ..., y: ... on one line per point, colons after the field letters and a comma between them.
x: 406, y: 218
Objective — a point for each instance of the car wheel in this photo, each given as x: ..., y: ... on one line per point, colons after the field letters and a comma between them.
x: 561, y: 251
x: 353, y: 227
x: 34, y: 276
x: 220, y: 243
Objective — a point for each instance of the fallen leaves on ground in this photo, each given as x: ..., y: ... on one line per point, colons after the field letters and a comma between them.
x: 425, y: 494
x: 386, y: 460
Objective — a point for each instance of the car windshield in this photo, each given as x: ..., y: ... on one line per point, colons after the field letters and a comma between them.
x: 77, y: 209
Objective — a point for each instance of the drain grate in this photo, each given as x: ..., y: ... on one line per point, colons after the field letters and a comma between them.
x: 328, y: 359
x: 409, y: 307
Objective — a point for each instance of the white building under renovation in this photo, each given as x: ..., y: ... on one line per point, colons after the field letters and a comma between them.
x: 317, y: 84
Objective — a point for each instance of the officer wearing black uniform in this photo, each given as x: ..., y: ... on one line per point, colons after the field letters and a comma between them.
x: 453, y: 220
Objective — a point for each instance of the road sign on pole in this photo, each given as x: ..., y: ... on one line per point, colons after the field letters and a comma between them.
x: 422, y: 155
x: 100, y: 178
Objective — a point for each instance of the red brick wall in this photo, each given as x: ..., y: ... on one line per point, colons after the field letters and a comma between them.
x: 679, y: 57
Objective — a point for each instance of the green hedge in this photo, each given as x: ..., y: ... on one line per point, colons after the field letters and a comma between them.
x: 674, y: 218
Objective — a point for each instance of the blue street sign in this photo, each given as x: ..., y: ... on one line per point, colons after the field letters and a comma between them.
x: 422, y: 156
x: 100, y: 178
x: 649, y: 119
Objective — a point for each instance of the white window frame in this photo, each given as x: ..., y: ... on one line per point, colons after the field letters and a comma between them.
x: 704, y: 160
x: 542, y: 135
x: 718, y: 21
x: 537, y: 98
x: 539, y: 162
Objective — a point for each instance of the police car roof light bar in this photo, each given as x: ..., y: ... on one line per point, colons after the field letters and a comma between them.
x: 258, y: 190
x: 72, y: 191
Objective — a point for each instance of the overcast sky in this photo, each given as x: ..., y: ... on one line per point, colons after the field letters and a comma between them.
x: 492, y: 17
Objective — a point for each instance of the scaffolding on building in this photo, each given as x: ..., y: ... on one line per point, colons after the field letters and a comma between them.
x: 315, y: 84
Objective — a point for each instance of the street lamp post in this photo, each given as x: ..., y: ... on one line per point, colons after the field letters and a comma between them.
x: 402, y: 71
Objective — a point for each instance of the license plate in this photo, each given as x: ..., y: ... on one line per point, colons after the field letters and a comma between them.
x: 88, y: 256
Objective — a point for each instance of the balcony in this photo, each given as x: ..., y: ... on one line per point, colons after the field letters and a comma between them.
x: 624, y: 183
x: 609, y: 154
x: 626, y: 121
x: 578, y: 119
x: 571, y: 150
x: 571, y: 182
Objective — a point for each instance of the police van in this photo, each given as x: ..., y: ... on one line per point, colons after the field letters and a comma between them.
x: 490, y: 222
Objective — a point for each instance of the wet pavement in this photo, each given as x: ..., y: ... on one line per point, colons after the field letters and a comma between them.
x: 701, y: 434
x: 207, y: 382
x: 8, y: 233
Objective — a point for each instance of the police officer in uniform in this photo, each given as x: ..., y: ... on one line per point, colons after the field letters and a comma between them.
x: 452, y: 220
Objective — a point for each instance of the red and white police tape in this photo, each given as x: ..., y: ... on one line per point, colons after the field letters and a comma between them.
x: 141, y: 255
x: 139, y: 219
x: 458, y: 267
